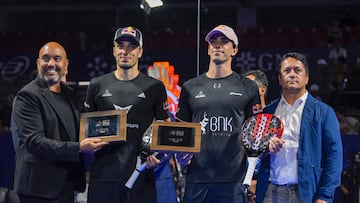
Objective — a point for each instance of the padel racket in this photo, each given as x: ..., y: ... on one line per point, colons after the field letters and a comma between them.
x: 255, y: 134
x: 144, y: 152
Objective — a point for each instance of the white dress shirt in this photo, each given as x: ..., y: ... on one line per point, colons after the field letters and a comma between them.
x: 284, y: 164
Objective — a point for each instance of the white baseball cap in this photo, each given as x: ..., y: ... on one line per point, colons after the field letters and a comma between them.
x: 225, y: 30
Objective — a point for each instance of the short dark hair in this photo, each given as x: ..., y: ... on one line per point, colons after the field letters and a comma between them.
x: 298, y: 56
x: 260, y: 78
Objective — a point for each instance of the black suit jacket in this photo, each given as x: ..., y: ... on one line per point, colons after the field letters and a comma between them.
x: 47, y: 154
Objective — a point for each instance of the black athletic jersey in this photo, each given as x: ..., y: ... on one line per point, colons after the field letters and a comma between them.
x: 145, y: 99
x: 220, y: 106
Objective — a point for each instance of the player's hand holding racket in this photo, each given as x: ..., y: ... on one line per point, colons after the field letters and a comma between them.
x: 150, y: 159
x: 260, y: 135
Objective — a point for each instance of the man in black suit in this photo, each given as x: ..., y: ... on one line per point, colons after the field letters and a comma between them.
x: 49, y: 166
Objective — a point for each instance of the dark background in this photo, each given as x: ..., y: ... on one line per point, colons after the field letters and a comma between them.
x: 266, y: 28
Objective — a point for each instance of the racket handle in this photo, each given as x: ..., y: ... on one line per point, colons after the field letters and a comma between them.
x: 136, y: 173
x: 134, y: 176
x: 252, y: 162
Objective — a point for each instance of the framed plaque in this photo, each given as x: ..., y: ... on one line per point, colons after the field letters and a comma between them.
x: 176, y: 137
x: 107, y: 125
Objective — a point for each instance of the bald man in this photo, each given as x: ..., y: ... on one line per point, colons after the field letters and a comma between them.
x: 49, y: 166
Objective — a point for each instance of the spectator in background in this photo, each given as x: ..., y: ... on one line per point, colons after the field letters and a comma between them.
x: 347, y: 24
x: 259, y: 77
x: 349, y: 125
x: 321, y: 74
x: 334, y: 98
x: 338, y: 54
x: 315, y: 91
x: 334, y: 33
x: 354, y: 76
x: 350, y: 181
x: 353, y: 84
x: 337, y: 63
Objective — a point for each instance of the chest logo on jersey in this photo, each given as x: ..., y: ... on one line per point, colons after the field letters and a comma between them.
x: 107, y: 93
x: 86, y: 105
x: 200, y: 95
x: 141, y: 95
x: 217, y: 85
x: 235, y: 94
x: 218, y: 125
x: 204, y: 123
x: 127, y: 108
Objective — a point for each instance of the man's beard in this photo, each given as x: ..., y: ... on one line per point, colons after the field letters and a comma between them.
x: 124, y: 65
x: 53, y: 80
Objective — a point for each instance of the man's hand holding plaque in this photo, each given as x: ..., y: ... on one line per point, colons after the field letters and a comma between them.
x: 91, y: 144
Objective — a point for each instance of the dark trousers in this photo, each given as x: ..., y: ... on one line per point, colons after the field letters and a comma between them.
x: 66, y: 196
x: 116, y: 192
x: 232, y: 192
x: 282, y: 193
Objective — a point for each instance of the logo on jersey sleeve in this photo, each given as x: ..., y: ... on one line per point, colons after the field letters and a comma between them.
x: 235, y: 94
x: 141, y: 95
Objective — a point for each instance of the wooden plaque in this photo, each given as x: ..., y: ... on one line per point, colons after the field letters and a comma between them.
x: 107, y: 125
x: 176, y: 137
